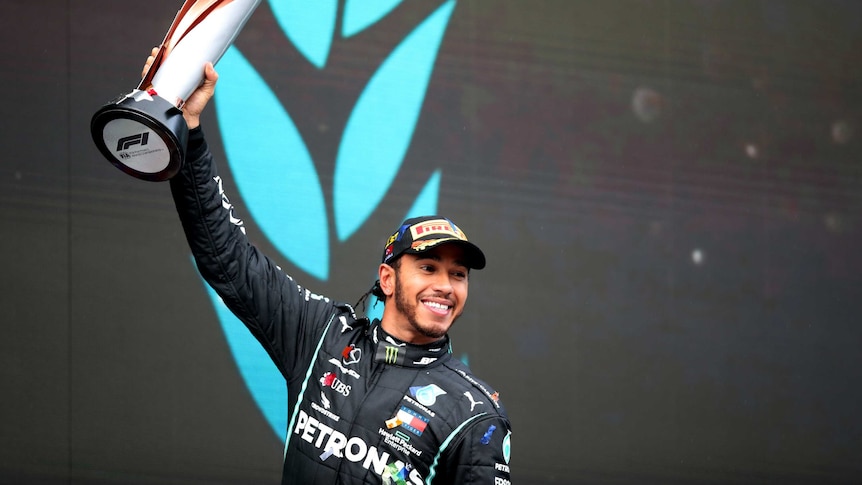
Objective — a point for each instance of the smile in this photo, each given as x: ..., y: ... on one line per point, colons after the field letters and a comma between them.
x: 437, y: 307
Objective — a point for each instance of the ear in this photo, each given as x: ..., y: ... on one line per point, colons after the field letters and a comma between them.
x: 386, y: 275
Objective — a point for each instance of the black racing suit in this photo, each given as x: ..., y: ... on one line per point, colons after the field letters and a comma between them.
x: 363, y: 407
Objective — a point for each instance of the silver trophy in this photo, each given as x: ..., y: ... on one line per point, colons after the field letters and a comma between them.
x: 143, y: 133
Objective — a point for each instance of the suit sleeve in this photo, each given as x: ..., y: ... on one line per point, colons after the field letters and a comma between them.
x: 276, y: 310
x: 481, y: 454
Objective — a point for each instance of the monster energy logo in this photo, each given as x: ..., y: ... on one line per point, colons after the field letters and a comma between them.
x: 391, y: 355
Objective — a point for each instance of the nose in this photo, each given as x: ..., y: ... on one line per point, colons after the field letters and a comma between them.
x: 442, y: 283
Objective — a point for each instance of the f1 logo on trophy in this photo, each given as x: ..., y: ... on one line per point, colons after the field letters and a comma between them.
x: 143, y: 133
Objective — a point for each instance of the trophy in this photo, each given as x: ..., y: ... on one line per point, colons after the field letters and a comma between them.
x: 143, y: 133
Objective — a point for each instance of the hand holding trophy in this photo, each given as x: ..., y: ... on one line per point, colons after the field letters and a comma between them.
x: 143, y: 133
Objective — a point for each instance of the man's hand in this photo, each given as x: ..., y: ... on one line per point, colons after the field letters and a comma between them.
x: 199, y: 98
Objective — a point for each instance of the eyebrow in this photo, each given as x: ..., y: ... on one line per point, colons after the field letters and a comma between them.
x: 436, y: 257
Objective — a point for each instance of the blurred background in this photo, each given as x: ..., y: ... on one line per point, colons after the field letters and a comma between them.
x: 669, y: 194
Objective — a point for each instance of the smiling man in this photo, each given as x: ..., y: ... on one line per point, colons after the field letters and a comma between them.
x: 425, y: 270
x: 369, y: 402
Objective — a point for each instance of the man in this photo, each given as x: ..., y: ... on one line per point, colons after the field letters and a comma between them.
x: 368, y: 402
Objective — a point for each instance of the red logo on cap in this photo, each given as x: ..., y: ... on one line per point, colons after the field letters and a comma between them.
x: 432, y: 228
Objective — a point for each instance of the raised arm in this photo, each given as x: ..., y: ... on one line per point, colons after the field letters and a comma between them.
x: 275, y: 309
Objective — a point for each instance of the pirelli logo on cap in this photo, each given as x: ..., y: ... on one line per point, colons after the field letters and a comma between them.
x: 435, y: 227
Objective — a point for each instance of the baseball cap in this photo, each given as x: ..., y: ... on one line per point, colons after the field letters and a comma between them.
x: 419, y: 234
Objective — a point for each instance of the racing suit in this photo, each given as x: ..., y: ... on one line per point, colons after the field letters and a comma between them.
x: 363, y: 407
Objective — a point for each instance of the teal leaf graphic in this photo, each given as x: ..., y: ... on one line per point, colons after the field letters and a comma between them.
x: 309, y: 25
x: 381, y: 124
x: 425, y: 204
x: 361, y: 14
x: 261, y: 376
x: 272, y: 166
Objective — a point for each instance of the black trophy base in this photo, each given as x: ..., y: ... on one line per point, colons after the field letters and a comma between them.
x: 142, y: 134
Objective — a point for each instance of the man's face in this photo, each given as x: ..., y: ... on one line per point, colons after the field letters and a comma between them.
x: 430, y: 292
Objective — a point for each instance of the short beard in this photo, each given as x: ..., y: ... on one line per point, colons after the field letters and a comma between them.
x: 409, y: 312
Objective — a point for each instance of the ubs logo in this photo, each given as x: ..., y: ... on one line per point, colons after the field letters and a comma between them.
x: 332, y: 381
x: 272, y: 165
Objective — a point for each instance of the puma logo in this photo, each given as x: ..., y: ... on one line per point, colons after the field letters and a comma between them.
x: 473, y: 402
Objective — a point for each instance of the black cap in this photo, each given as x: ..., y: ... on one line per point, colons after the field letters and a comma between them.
x: 419, y: 234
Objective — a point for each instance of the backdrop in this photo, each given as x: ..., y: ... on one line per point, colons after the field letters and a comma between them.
x: 668, y: 193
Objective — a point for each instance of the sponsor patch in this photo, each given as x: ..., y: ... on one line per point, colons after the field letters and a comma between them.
x: 436, y: 226
x: 351, y: 355
x: 408, y: 419
x: 486, y: 438
x: 427, y: 395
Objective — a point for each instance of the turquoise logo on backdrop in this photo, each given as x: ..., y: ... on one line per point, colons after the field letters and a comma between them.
x: 275, y: 173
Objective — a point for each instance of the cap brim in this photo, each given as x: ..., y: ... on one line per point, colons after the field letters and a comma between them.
x: 474, y: 258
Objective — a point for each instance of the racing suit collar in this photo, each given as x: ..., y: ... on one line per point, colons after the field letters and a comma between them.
x: 392, y: 351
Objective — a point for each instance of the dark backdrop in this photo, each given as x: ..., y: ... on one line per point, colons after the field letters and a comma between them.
x: 668, y: 193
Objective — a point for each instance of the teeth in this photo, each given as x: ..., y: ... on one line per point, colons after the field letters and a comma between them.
x: 437, y: 305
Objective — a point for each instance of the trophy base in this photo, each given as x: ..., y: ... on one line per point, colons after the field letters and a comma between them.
x: 142, y: 134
